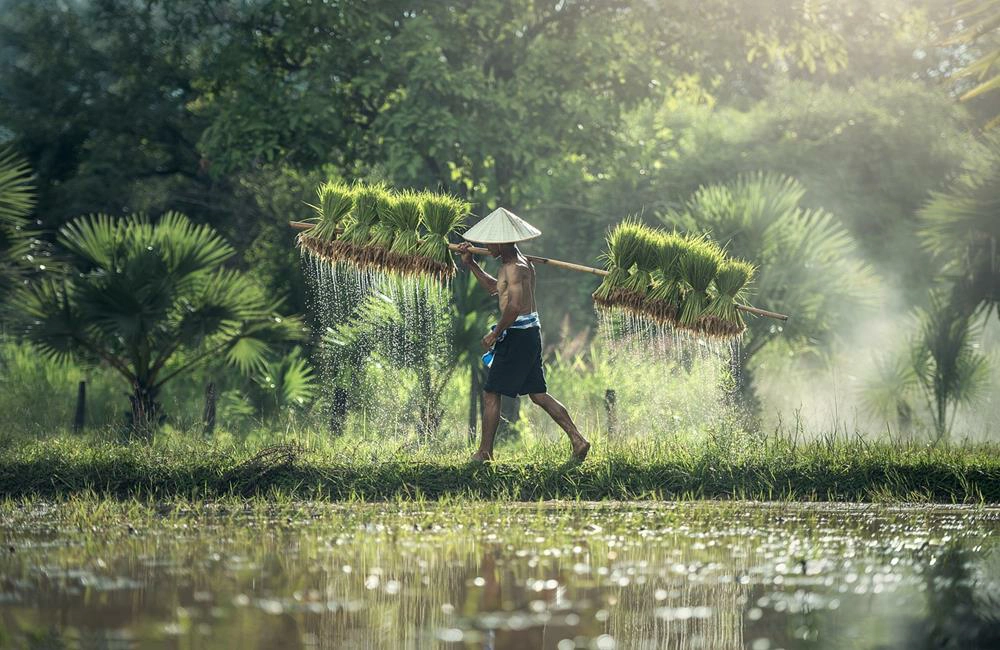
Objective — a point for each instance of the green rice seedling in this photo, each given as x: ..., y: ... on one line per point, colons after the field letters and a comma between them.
x: 352, y: 246
x: 664, y: 298
x: 624, y: 243
x: 698, y: 267
x: 336, y: 202
x: 721, y: 318
x: 402, y: 217
x: 647, y: 257
x: 375, y: 250
x: 442, y: 215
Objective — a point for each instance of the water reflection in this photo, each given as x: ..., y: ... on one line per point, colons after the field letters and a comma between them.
x: 499, y: 576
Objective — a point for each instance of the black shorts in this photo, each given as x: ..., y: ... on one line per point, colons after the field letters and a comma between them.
x: 517, y: 364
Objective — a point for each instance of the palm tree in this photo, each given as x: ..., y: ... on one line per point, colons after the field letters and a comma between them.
x: 947, y: 367
x: 961, y: 229
x: 17, y: 198
x: 151, y: 301
x: 808, y: 261
x: 979, y: 22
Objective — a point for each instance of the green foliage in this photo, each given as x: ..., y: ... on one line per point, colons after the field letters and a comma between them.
x: 17, y: 198
x: 948, y: 368
x: 940, y: 370
x: 282, y: 383
x: 38, y: 395
x: 151, y: 301
x: 979, y: 22
x: 390, y: 362
x: 668, y: 279
x: 869, y: 154
x: 961, y: 228
x: 778, y: 466
x: 809, y: 265
x: 17, y: 191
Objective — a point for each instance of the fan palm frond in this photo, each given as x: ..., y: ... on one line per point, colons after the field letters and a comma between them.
x: 17, y: 191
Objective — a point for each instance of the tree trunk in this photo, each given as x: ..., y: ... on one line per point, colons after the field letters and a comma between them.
x: 942, y: 413
x: 338, y: 410
x: 145, y: 415
x: 611, y: 407
x: 208, y: 417
x: 80, y: 416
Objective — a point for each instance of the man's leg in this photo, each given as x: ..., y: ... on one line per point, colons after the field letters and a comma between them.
x: 491, y: 420
x: 559, y: 413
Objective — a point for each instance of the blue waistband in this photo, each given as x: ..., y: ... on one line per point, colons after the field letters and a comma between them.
x: 523, y: 322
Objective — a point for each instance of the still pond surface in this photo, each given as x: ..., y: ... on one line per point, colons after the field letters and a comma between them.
x: 95, y: 574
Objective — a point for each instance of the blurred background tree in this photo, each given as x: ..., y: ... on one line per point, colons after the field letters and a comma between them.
x: 17, y: 198
x: 809, y: 265
x: 151, y: 301
x: 574, y: 113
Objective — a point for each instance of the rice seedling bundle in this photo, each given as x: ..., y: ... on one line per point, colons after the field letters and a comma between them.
x: 624, y: 243
x: 721, y: 318
x: 442, y: 215
x: 698, y: 267
x: 336, y: 201
x: 664, y: 298
x: 352, y: 244
x: 647, y: 257
x: 336, y: 204
x: 684, y: 281
x: 382, y: 233
x: 404, y: 216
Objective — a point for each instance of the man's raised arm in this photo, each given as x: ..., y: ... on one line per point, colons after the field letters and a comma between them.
x: 486, y: 280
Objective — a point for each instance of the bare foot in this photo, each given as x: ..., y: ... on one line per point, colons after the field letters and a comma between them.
x: 580, y: 450
x: 482, y: 457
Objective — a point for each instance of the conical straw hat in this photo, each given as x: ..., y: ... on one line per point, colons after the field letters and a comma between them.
x: 501, y: 227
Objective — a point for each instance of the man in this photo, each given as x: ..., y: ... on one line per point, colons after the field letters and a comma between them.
x: 514, y: 346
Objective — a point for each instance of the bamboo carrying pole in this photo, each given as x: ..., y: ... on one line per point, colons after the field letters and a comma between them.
x: 559, y: 264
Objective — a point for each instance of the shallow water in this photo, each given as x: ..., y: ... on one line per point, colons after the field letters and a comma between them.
x: 468, y: 575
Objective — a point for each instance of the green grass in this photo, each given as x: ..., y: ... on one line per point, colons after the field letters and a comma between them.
x: 774, y: 467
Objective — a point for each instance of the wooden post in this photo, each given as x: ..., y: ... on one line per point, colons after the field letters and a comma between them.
x: 611, y: 408
x: 209, y: 416
x: 81, y: 407
x: 338, y: 412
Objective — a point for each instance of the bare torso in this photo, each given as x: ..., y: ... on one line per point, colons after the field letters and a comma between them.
x: 519, y: 271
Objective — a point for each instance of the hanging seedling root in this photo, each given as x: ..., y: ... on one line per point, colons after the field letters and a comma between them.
x: 682, y: 281
x: 686, y: 282
x: 373, y: 229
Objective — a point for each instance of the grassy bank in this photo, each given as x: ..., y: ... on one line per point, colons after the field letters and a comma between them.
x: 769, y: 467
